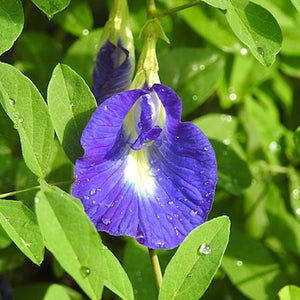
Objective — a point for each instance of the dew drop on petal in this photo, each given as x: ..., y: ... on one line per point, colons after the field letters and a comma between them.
x: 204, y: 249
x: 93, y: 192
x: 193, y: 213
x: 170, y: 202
x: 85, y: 271
x: 140, y: 237
x: 105, y: 220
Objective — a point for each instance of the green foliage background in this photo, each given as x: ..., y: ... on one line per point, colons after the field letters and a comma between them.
x: 236, y: 66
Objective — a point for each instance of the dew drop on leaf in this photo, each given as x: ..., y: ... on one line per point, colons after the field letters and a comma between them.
x: 12, y: 102
x: 85, y: 271
x: 260, y: 51
x: 204, y: 249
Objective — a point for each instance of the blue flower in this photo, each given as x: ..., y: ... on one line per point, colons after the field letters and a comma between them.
x: 113, y: 71
x: 145, y: 173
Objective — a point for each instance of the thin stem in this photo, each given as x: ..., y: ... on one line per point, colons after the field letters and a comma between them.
x: 32, y: 189
x: 150, y: 8
x: 19, y: 192
x: 155, y: 267
x: 159, y: 14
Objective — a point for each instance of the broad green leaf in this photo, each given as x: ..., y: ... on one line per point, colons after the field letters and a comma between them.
x: 223, y: 128
x: 196, y: 261
x: 202, y: 17
x: 11, y: 23
x: 297, y: 139
x: 51, y: 7
x: 289, y: 292
x: 76, y: 245
x: 233, y: 172
x: 38, y: 54
x: 4, y: 238
x: 20, y: 224
x: 71, y: 105
x: 81, y: 56
x: 55, y: 292
x: 6, y: 158
x: 251, y: 268
x: 194, y: 73
x: 282, y: 224
x: 256, y: 27
x: 27, y: 109
x: 296, y: 3
x: 77, y: 18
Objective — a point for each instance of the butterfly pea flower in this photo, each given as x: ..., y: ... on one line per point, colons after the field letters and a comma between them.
x: 145, y: 173
x: 115, y: 60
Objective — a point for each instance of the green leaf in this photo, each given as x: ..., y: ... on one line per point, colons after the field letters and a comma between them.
x: 51, y: 7
x: 256, y: 27
x: 289, y: 292
x: 297, y: 139
x: 71, y: 105
x: 202, y: 17
x: 27, y: 109
x: 76, y: 19
x: 77, y: 246
x: 193, y: 73
x: 81, y: 56
x: 296, y: 3
x: 251, y: 268
x: 233, y: 172
x: 11, y: 23
x: 196, y: 261
x: 294, y: 190
x: 55, y: 292
x: 4, y: 239
x: 20, y: 224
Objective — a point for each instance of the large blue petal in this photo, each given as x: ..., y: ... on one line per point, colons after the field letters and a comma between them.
x: 157, y: 194
x: 112, y: 72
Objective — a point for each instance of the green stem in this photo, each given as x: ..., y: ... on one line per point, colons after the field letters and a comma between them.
x: 150, y: 8
x: 32, y: 189
x: 155, y: 267
x: 159, y: 14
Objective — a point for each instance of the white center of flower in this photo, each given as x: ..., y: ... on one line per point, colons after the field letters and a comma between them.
x: 137, y: 172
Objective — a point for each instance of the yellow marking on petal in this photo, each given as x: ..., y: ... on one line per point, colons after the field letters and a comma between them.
x: 138, y: 172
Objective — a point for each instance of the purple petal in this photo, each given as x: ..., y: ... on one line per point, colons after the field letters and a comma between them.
x: 156, y: 193
x: 112, y: 72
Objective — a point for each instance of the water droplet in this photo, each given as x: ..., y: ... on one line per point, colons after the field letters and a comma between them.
x: 298, y: 211
x: 206, y: 148
x: 207, y: 195
x: 105, y: 107
x: 189, y: 275
x: 105, y: 220
x: 85, y: 271
x: 12, y: 102
x: 239, y: 263
x: 6, y: 220
x: 260, y: 51
x: 274, y: 147
x: 243, y: 51
x: 169, y: 217
x: 140, y: 237
x: 202, y: 67
x: 176, y: 230
x: 86, y: 197
x: 93, y: 192
x: 295, y: 193
x: 26, y: 244
x: 232, y: 96
x: 36, y: 200
x: 170, y: 202
x: 85, y: 31
x: 226, y: 118
x: 226, y: 142
x: 21, y: 120
x: 195, y: 97
x: 195, y: 67
x: 193, y: 213
x: 204, y: 249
